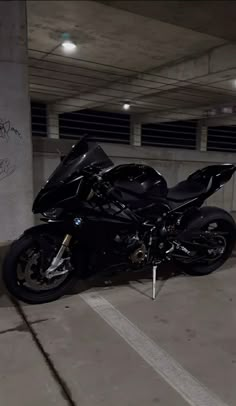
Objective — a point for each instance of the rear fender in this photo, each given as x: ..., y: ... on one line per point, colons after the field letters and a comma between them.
x: 200, y: 217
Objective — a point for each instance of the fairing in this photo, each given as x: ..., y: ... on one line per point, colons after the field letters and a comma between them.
x: 137, y: 184
x: 82, y: 154
x: 64, y: 181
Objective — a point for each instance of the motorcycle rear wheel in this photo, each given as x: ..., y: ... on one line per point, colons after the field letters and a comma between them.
x: 227, y: 231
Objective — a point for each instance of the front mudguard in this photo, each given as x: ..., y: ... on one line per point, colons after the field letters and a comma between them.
x: 64, y: 225
x: 38, y: 232
x: 60, y: 229
x: 42, y: 228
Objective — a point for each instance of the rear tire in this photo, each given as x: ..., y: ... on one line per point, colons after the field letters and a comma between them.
x: 21, y: 292
x: 217, y: 215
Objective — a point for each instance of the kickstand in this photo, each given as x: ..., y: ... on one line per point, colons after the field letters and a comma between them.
x: 154, y: 279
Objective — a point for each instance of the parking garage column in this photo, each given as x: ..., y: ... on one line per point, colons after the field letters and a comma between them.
x: 52, y: 122
x: 202, y: 134
x: 16, y: 185
x: 135, y: 132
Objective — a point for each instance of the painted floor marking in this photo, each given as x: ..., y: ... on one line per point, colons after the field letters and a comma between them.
x: 194, y: 392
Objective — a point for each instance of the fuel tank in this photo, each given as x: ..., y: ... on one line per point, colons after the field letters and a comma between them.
x: 135, y: 183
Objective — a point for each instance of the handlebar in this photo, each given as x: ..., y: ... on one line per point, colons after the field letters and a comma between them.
x: 105, y: 187
x: 100, y: 185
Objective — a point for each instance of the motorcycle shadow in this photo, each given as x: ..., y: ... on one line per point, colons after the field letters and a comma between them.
x: 110, y: 279
x: 4, y: 301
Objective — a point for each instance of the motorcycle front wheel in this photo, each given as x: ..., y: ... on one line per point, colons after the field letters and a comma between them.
x: 25, y: 264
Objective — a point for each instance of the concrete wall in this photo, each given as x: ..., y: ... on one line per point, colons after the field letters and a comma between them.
x: 16, y: 186
x: 174, y: 164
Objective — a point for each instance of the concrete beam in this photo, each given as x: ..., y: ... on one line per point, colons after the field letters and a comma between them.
x: 135, y: 133
x: 52, y: 122
x: 202, y: 19
x: 84, y: 101
x: 117, y: 91
x: 174, y: 115
x: 224, y: 120
x: 202, y: 134
x: 44, y: 146
x: 202, y: 70
x: 151, y: 82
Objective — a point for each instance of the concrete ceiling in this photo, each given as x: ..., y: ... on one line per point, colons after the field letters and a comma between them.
x: 168, y: 58
x: 215, y: 18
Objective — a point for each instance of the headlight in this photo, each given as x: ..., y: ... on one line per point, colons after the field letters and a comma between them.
x: 53, y: 213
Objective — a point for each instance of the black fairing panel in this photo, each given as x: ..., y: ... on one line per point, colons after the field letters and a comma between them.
x: 202, y: 183
x: 220, y: 174
x: 57, y: 195
x: 134, y: 182
x: 62, y: 186
x: 81, y: 155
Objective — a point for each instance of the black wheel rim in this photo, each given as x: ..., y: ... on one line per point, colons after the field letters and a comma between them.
x: 207, y: 245
x: 31, y: 268
x: 212, y: 242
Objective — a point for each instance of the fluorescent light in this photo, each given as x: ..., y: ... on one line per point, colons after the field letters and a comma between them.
x: 227, y: 110
x: 126, y: 106
x: 212, y: 112
x: 69, y: 45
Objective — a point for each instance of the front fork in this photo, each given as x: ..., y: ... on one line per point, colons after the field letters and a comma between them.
x: 58, y: 260
x: 51, y: 272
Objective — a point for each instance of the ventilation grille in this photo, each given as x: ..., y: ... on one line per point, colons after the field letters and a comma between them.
x: 101, y: 126
x: 39, y: 119
x: 221, y: 139
x: 180, y: 134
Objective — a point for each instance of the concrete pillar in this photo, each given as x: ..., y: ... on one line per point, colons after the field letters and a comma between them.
x: 135, y: 133
x: 16, y: 183
x: 202, y: 134
x: 52, y: 122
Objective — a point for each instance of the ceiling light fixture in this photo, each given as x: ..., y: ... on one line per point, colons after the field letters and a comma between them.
x: 227, y: 110
x: 126, y: 106
x: 67, y: 44
x: 211, y: 112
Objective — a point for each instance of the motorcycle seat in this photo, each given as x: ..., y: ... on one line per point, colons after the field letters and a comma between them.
x: 186, y: 190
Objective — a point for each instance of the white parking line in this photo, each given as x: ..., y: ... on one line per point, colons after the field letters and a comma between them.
x: 173, y: 373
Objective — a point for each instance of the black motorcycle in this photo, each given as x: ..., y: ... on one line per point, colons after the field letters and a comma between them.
x: 99, y: 216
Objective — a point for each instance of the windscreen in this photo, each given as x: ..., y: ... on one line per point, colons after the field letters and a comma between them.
x: 82, y: 154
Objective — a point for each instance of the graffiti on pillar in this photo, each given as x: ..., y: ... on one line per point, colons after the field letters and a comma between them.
x: 6, y: 168
x: 6, y: 130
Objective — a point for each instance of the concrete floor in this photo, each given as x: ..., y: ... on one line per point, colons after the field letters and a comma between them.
x: 65, y: 353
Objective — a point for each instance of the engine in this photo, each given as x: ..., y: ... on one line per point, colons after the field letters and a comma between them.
x: 138, y: 256
x: 135, y: 247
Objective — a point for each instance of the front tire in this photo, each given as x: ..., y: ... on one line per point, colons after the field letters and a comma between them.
x: 22, y: 291
x: 226, y: 227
